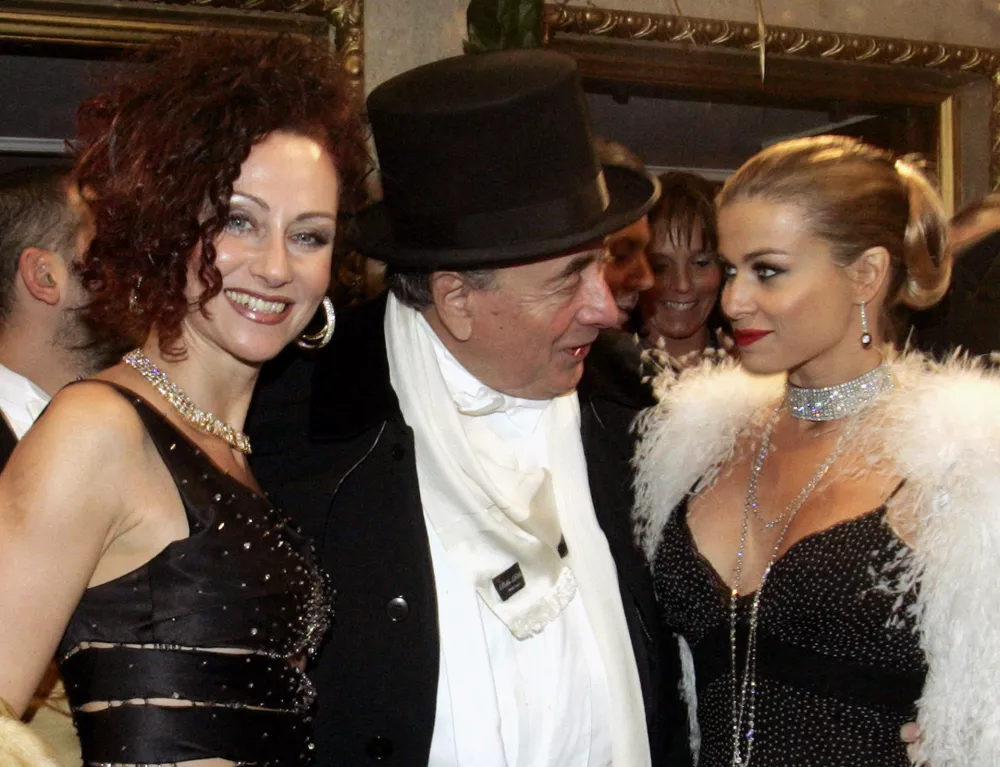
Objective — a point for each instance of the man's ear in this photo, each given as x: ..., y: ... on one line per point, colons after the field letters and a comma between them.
x: 452, y: 303
x: 42, y: 272
x: 870, y: 273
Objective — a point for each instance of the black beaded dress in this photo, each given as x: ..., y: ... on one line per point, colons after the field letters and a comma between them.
x: 839, y: 668
x: 220, y: 622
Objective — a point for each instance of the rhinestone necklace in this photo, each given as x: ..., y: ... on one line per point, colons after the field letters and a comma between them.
x: 180, y: 401
x: 744, y: 692
x: 765, y: 446
x: 832, y: 402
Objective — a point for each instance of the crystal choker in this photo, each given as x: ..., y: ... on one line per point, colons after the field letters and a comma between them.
x: 841, y: 400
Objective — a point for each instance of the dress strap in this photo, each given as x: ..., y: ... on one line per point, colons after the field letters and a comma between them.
x: 160, y: 429
x: 198, y: 480
x: 895, y: 490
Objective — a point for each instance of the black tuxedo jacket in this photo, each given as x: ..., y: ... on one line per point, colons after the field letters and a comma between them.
x: 332, y: 449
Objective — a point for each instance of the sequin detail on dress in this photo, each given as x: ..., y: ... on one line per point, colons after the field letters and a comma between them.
x: 839, y: 664
x: 218, y: 621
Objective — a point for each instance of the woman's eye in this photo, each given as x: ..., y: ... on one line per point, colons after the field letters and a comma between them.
x: 239, y: 222
x: 728, y: 271
x: 765, y: 272
x: 312, y: 239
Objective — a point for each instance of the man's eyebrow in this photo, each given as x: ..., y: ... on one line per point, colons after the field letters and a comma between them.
x: 577, y: 264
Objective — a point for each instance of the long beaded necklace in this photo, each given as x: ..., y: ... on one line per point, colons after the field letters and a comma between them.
x: 825, y: 404
x: 175, y: 395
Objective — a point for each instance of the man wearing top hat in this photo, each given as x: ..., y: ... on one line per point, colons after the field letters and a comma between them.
x: 465, y: 477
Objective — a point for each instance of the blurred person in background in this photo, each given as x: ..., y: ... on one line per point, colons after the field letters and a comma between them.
x: 968, y: 317
x: 627, y: 269
x: 45, y: 227
x: 679, y: 314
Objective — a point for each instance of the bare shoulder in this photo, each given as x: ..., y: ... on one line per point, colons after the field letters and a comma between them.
x: 87, y: 426
x: 92, y: 410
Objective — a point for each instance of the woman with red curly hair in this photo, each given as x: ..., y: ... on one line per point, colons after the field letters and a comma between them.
x: 135, y: 544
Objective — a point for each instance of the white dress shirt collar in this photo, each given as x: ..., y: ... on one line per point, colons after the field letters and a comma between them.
x: 20, y: 400
x: 474, y: 398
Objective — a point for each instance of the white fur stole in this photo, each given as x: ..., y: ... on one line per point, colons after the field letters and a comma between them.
x: 940, y: 430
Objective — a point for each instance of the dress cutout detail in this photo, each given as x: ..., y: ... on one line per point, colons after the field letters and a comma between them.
x: 218, y: 621
x: 839, y: 666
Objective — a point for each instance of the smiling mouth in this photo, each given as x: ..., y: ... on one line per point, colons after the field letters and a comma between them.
x: 680, y: 306
x: 255, y: 304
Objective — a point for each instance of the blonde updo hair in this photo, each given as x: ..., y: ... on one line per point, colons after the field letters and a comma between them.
x: 855, y: 197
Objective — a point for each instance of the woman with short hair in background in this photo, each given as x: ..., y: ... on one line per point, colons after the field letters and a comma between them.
x: 679, y: 314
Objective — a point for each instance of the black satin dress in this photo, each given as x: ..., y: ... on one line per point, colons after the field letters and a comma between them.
x: 839, y: 668
x: 222, y: 620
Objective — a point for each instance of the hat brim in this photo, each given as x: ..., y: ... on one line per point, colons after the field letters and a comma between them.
x: 632, y: 194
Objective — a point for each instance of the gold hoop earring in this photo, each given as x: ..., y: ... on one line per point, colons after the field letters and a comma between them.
x: 321, y: 337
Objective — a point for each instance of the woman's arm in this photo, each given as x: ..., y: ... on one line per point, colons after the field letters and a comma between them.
x: 61, y: 506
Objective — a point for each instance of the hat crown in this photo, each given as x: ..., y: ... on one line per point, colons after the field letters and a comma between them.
x: 486, y: 152
x: 482, y: 133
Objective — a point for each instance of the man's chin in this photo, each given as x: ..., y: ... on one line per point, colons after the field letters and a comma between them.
x: 571, y: 379
x: 623, y: 316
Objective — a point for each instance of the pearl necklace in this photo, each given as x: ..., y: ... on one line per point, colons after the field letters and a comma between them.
x: 200, y: 419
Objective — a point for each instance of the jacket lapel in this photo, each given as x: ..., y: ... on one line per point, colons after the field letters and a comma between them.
x: 352, y: 392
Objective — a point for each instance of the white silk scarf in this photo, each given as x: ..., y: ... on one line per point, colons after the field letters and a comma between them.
x: 488, y: 517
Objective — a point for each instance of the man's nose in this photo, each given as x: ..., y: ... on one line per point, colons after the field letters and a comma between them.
x: 640, y: 274
x: 599, y: 308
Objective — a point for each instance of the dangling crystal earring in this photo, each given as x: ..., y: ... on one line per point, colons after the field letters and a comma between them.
x: 321, y: 337
x: 866, y: 337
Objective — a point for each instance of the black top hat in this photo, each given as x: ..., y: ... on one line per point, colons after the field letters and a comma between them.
x: 488, y: 160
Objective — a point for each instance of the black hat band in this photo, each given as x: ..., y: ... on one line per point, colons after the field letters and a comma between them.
x: 537, y: 222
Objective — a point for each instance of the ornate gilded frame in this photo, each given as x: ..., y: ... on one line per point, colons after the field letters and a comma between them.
x: 128, y: 23
x: 689, y: 53
x: 39, y: 26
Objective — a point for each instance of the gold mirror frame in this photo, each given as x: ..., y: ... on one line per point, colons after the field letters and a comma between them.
x: 129, y: 23
x: 693, y: 53
x: 99, y: 25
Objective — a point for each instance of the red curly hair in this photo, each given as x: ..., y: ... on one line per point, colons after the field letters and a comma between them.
x: 158, y: 154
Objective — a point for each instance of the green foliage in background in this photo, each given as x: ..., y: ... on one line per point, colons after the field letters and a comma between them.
x: 498, y: 24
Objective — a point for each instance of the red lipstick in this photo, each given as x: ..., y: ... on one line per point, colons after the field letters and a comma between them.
x: 748, y: 337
